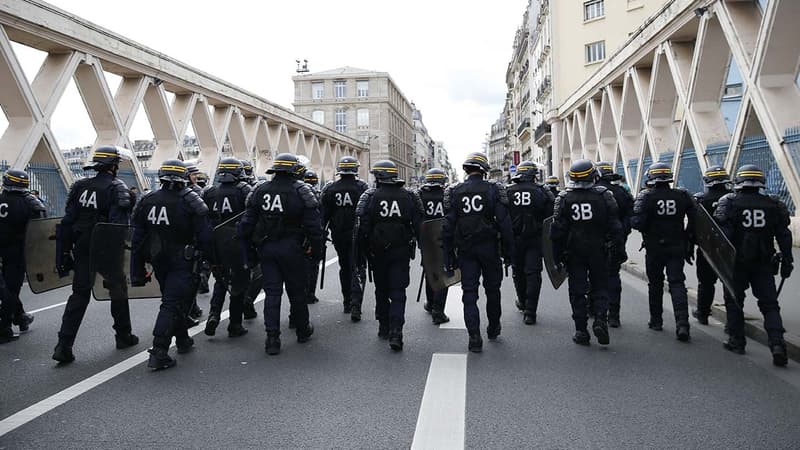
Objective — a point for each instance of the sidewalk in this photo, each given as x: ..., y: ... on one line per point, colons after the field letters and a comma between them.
x: 754, y: 327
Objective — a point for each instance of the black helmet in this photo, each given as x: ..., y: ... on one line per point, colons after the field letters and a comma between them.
x: 347, y: 166
x: 173, y: 171
x: 476, y: 160
x: 385, y: 171
x: 659, y: 173
x: 247, y: 166
x: 435, y: 177
x: 229, y: 170
x: 286, y: 162
x: 310, y: 177
x: 716, y: 175
x: 606, y: 171
x: 551, y: 181
x: 750, y: 175
x: 16, y: 180
x: 202, y: 179
x: 302, y: 166
x: 526, y: 171
x: 106, y: 156
x: 582, y: 174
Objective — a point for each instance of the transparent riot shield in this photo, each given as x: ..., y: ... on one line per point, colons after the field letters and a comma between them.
x: 433, y: 255
x: 40, y: 256
x: 111, y: 258
x: 556, y: 274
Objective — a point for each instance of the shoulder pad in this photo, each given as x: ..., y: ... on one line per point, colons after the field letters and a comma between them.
x: 327, y: 185
x: 244, y: 188
x: 502, y: 193
x: 775, y: 198
x: 599, y: 189
x: 123, y: 195
x: 363, y: 185
x: 363, y: 200
x: 119, y: 183
x: 194, y: 201
x: 306, y: 194
x: 34, y: 203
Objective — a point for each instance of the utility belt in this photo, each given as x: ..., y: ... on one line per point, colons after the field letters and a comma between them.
x: 271, y: 229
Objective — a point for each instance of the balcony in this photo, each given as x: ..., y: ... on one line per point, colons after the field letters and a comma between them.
x: 542, y: 133
x: 544, y: 89
x: 523, y: 126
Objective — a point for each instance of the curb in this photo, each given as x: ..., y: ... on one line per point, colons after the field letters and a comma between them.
x: 753, y: 327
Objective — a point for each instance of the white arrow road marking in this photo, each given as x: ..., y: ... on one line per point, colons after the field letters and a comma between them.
x: 440, y: 424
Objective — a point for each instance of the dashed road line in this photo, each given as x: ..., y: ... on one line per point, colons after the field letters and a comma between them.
x: 454, y: 309
x: 442, y: 414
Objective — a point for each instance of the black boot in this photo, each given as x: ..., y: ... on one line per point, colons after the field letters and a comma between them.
x: 529, y: 318
x: 126, y: 340
x: 7, y: 334
x: 655, y: 326
x: 273, y: 344
x: 236, y: 330
x: 493, y: 330
x: 195, y: 312
x: 355, y: 312
x: 185, y: 344
x: 779, y: 357
x: 159, y: 359
x: 383, y: 329
x: 191, y: 323
x: 735, y: 345
x: 346, y: 307
x: 613, y: 320
x: 702, y: 318
x: 427, y: 307
x: 600, y: 329
x: 682, y: 332
x: 475, y: 342
x: 581, y: 337
x: 519, y: 304
x: 396, y: 339
x: 439, y: 317
x: 304, y: 336
x: 23, y: 321
x: 63, y: 352
x: 212, y: 323
x: 249, y: 311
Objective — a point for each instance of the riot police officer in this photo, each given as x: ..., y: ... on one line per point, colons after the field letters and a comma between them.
x: 312, y: 265
x: 202, y: 180
x: 225, y: 202
x: 256, y: 285
x: 551, y: 183
x: 432, y: 196
x: 659, y: 213
x: 754, y: 222
x: 388, y: 218
x: 339, y: 200
x: 476, y: 210
x: 529, y: 204
x: 102, y: 198
x: 17, y: 207
x: 282, y: 214
x: 169, y: 226
x: 587, y: 238
x: 717, y: 184
x: 195, y: 312
x: 609, y: 179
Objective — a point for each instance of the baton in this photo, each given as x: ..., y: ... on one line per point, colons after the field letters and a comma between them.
x: 421, y: 282
x: 780, y: 287
x: 324, y: 256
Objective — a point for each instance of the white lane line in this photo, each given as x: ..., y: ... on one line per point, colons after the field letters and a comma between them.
x: 440, y: 424
x: 20, y: 418
x: 331, y: 261
x: 454, y: 309
x: 47, y: 307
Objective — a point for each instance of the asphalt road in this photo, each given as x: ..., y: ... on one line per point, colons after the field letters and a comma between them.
x: 532, y: 388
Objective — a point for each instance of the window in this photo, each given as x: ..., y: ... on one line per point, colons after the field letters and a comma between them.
x: 341, y: 121
x: 596, y: 51
x: 594, y: 9
x: 363, y: 119
x: 340, y: 89
x: 319, y: 117
x: 318, y: 89
x: 362, y: 88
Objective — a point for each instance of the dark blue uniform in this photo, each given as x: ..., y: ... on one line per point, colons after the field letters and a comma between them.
x: 529, y: 205
x: 226, y: 201
x: 477, y: 211
x: 103, y: 198
x: 280, y: 216
x: 17, y: 208
x: 312, y: 265
x: 169, y: 225
x: 389, y: 217
x: 585, y: 226
x: 659, y: 214
x: 625, y: 206
x: 338, y: 207
x: 706, y: 276
x: 432, y: 197
x: 754, y: 223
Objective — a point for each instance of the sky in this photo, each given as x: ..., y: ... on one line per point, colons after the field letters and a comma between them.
x: 447, y: 56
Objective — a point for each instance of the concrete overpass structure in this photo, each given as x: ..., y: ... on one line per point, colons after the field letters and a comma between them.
x: 701, y: 82
x: 174, y: 95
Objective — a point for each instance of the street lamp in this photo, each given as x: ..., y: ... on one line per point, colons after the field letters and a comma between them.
x: 368, y: 141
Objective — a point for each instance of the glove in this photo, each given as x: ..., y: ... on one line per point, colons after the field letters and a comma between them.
x: 786, y: 268
x: 689, y: 254
x: 65, y: 264
x: 449, y: 264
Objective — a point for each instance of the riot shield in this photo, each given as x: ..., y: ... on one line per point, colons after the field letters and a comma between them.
x: 557, y: 275
x: 111, y: 262
x: 40, y: 256
x: 717, y: 249
x: 433, y: 256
